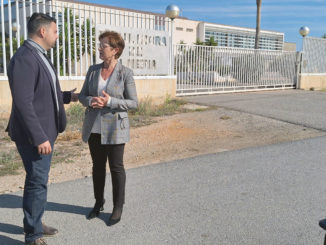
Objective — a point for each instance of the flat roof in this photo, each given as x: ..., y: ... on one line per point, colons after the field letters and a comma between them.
x: 163, y: 15
x: 117, y: 8
x: 240, y: 28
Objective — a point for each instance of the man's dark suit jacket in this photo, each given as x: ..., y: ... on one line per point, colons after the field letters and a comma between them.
x: 34, y: 116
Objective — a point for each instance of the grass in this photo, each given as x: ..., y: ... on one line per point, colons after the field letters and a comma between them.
x: 65, y: 154
x: 147, y: 110
x: 75, y: 114
x: 144, y: 115
x: 69, y: 135
x: 71, y: 144
x: 75, y: 117
x: 225, y: 117
x: 139, y: 121
x: 9, y: 163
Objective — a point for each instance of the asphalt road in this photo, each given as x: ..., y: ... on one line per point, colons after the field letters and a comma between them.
x: 300, y: 107
x: 274, y: 194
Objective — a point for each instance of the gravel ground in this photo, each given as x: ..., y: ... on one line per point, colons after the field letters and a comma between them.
x: 171, y: 138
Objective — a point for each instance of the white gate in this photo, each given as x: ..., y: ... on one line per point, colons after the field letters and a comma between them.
x: 208, y: 69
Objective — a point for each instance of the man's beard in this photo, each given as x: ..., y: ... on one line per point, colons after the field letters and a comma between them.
x: 54, y: 44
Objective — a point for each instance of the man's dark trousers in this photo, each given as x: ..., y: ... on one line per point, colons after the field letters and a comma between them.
x: 37, y: 169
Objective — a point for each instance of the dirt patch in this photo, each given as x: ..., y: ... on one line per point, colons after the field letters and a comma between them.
x: 170, y: 138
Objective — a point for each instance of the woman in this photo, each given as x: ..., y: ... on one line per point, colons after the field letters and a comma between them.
x: 108, y: 92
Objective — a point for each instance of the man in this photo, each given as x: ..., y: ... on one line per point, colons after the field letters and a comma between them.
x: 37, y: 116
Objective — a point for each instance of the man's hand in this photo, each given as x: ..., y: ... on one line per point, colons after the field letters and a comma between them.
x: 74, y: 96
x: 44, y: 148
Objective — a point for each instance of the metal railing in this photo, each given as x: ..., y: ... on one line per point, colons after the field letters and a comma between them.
x: 199, y: 69
x: 208, y: 69
x: 76, y: 46
x: 313, y: 57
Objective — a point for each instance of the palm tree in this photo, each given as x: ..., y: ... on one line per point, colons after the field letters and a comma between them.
x: 211, y: 42
x: 198, y: 42
x: 258, y: 2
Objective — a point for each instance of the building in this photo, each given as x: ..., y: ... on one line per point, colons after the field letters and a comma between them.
x: 240, y: 37
x: 189, y: 31
x: 185, y: 31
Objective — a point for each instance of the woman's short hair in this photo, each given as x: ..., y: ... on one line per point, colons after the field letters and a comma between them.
x: 115, y: 40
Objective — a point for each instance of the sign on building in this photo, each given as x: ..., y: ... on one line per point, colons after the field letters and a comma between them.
x: 145, y: 52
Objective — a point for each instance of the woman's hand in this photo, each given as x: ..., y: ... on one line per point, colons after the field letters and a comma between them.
x: 101, y: 101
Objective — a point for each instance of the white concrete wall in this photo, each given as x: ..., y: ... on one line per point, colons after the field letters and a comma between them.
x: 152, y: 87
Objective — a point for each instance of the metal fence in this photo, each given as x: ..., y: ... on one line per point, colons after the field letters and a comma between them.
x: 208, y: 69
x: 313, y: 57
x: 76, y: 46
x: 199, y: 69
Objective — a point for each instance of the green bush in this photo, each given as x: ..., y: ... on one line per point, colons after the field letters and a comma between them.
x: 75, y: 113
x: 146, y: 107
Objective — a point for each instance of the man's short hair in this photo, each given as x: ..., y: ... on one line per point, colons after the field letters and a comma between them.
x: 38, y: 20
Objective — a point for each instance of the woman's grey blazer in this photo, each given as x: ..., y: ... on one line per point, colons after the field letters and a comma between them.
x: 114, y: 118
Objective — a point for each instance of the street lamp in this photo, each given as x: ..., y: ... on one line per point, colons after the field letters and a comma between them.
x: 304, y: 31
x: 172, y: 11
x: 16, y: 28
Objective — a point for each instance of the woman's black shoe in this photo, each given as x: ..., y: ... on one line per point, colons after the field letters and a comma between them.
x: 96, y: 210
x: 115, y: 217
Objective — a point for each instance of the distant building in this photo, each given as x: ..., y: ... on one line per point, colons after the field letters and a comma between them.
x: 188, y: 31
x: 185, y: 31
x: 240, y: 37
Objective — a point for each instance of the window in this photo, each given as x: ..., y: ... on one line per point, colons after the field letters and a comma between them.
x: 189, y: 30
x: 179, y: 29
x: 159, y: 23
x: 242, y: 40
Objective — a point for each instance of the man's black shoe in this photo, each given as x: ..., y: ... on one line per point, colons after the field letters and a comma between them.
x: 38, y: 241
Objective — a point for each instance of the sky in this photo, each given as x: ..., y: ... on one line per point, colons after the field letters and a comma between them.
x: 285, y: 16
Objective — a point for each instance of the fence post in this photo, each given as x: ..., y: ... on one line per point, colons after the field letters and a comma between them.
x: 298, y: 67
x: 4, y: 61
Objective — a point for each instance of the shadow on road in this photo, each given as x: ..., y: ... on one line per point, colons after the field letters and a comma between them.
x: 8, y: 241
x: 15, y: 202
x: 10, y: 229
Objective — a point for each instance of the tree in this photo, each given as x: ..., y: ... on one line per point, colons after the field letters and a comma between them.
x: 65, y: 47
x: 198, y: 42
x: 324, y: 36
x: 211, y: 42
x: 62, y: 47
x: 258, y: 2
x: 7, y: 49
